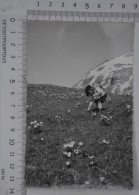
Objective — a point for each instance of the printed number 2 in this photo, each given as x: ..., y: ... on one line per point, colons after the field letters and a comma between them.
x: 50, y: 4
x: 38, y: 3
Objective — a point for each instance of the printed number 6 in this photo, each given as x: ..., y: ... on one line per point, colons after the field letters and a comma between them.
x: 99, y: 5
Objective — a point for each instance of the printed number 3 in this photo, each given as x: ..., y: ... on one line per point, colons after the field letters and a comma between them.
x: 62, y: 4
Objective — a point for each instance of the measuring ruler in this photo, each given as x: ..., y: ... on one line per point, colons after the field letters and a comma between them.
x: 13, y: 52
x: 84, y: 10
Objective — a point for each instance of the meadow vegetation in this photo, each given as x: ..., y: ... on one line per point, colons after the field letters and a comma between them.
x: 68, y: 146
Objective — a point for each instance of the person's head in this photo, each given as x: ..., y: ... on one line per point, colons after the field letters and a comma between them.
x: 89, y: 90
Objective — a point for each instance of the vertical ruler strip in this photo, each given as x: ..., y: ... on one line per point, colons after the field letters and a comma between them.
x: 12, y: 104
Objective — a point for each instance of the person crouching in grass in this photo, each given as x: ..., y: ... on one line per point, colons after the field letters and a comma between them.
x: 98, y: 96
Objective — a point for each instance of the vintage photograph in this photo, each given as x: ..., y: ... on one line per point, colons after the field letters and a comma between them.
x: 79, y: 105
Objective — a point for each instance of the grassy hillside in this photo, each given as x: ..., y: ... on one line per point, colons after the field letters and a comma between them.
x: 99, y: 153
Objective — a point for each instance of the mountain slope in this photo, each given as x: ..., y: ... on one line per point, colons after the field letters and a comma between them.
x: 57, y: 116
x: 116, y: 75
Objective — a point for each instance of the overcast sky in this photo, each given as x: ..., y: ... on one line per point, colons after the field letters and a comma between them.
x: 60, y: 52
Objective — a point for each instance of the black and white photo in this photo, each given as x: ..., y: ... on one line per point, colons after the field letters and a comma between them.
x: 79, y: 105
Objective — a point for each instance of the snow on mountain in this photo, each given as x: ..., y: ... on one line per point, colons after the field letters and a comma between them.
x: 116, y: 75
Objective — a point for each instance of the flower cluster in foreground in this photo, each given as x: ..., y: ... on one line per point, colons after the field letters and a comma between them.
x: 129, y: 108
x: 73, y: 149
x: 106, y: 120
x: 36, y: 124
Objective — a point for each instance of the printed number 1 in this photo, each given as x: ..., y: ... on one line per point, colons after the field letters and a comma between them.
x: 123, y: 6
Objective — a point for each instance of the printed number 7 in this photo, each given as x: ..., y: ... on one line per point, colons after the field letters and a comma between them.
x: 111, y: 4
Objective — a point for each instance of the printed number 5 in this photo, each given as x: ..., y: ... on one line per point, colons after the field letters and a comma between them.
x: 87, y: 6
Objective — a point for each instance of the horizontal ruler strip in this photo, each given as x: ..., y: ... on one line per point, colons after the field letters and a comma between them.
x: 87, y: 6
x: 88, y: 16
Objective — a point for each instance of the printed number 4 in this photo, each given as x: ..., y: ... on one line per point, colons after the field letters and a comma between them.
x: 75, y: 4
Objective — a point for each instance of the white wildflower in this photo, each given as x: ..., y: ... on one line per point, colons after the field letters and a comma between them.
x: 105, y: 141
x: 41, y: 123
x: 91, y: 163
x: 35, y: 126
x: 102, y: 179
x: 67, y: 163
x: 94, y: 114
x: 87, y: 182
x: 128, y: 107
x: 65, y: 153
x: 76, y: 151
x: 80, y: 143
x: 71, y: 144
x: 68, y: 110
x: 69, y: 154
x: 91, y: 157
x: 42, y: 139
